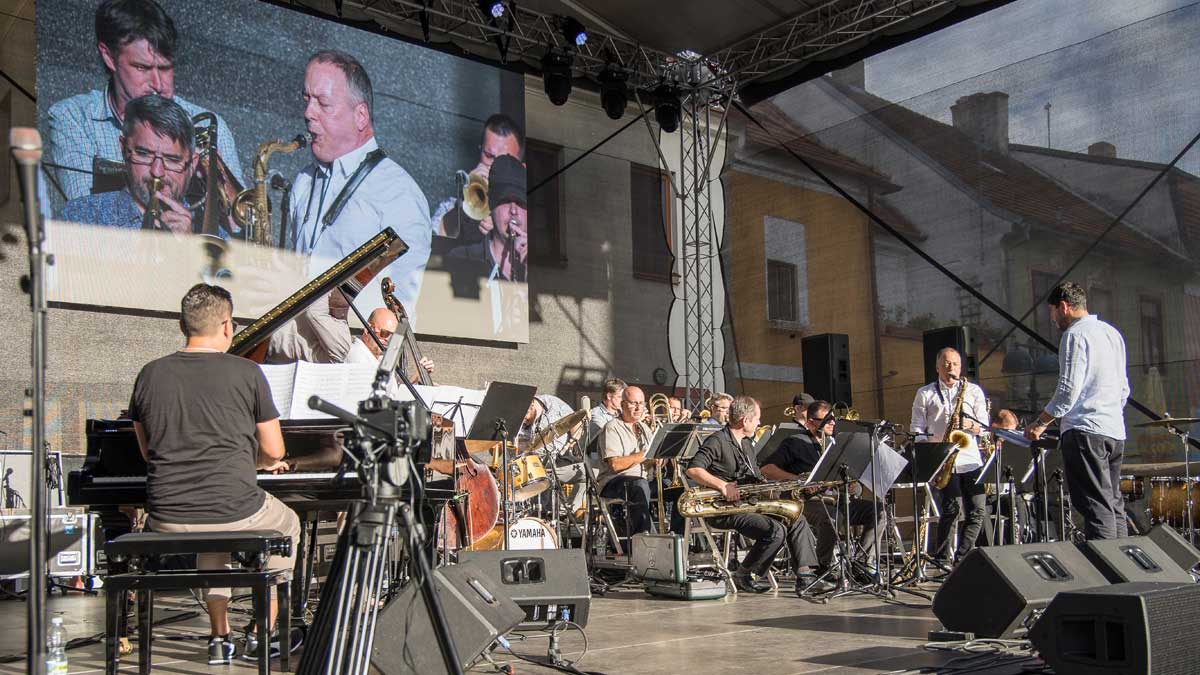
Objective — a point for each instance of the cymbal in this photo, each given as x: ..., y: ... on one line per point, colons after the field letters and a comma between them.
x: 557, y: 428
x: 1168, y: 422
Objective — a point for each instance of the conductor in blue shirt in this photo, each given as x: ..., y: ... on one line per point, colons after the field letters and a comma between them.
x: 1088, y: 402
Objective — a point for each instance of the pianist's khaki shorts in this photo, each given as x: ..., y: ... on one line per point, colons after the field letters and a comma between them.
x: 274, y: 515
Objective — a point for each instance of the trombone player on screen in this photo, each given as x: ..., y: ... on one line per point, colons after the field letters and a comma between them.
x: 946, y: 404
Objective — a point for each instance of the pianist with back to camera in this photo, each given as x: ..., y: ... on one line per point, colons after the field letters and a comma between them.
x: 205, y: 422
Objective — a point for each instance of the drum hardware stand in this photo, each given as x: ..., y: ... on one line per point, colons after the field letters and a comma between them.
x: 385, y: 433
x: 1183, y: 434
x: 1042, y: 493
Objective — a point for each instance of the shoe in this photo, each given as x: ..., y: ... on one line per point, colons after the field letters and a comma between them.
x: 746, y: 583
x: 252, y: 650
x: 813, y: 584
x: 220, y: 650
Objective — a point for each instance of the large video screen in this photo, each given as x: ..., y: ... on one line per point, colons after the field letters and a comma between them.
x: 257, y: 146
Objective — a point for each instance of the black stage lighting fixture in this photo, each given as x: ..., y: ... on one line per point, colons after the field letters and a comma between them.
x: 666, y: 107
x: 573, y: 31
x: 425, y: 19
x: 493, y: 9
x: 612, y: 90
x: 556, y: 75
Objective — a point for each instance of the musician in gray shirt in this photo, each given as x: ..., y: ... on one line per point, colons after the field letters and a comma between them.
x: 1089, y: 401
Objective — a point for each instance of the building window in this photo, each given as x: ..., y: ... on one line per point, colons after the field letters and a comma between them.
x: 1043, y: 282
x: 1150, y: 318
x: 650, y: 196
x: 545, y: 217
x: 781, y: 291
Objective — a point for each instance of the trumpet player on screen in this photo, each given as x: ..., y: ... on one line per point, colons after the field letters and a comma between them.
x: 465, y: 218
x: 136, y: 41
x: 158, y: 148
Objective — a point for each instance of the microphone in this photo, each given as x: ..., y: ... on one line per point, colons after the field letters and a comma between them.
x: 278, y: 182
x: 26, y: 146
x: 585, y: 402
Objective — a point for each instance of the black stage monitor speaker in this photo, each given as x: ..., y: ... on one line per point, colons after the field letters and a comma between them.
x: 1139, y: 628
x: 995, y: 591
x: 477, y: 609
x: 961, y: 338
x: 1174, y: 545
x: 826, y: 362
x: 549, y: 585
x: 1134, y: 559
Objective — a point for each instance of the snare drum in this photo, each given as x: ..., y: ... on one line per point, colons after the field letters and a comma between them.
x: 1168, y: 501
x: 528, y: 477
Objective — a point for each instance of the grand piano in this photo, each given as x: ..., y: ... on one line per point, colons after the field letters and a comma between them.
x: 114, y: 474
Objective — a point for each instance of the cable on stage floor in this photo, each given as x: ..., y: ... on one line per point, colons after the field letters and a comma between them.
x: 557, y: 663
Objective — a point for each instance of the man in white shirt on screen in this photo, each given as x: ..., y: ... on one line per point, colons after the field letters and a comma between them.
x: 353, y: 191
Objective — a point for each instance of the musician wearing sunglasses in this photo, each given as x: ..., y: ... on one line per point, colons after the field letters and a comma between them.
x: 158, y: 149
x: 136, y: 41
x: 383, y: 324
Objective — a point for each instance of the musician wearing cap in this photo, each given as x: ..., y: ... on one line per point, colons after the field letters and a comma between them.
x: 946, y: 404
x: 353, y: 190
x: 137, y: 42
x: 205, y: 421
x: 623, y: 447
x: 452, y: 225
x: 502, y: 253
x: 158, y: 147
x: 724, y: 461
x: 1088, y: 402
x: 796, y: 457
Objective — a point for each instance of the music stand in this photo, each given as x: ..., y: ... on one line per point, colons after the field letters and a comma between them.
x: 678, y: 441
x: 504, y: 407
x: 927, y: 460
x: 769, y: 443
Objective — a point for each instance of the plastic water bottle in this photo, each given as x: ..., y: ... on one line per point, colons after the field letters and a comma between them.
x: 56, y: 648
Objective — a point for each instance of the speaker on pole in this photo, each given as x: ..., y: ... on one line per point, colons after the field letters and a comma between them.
x: 996, y: 591
x: 1138, y: 628
x: 961, y: 338
x: 1134, y: 559
x: 477, y: 609
x: 826, y: 362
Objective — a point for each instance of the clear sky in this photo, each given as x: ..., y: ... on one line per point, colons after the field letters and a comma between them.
x: 1122, y: 71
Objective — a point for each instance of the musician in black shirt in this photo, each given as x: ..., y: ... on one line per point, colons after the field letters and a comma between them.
x: 798, y: 455
x: 724, y: 461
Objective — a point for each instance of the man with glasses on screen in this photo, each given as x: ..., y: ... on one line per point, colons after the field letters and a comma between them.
x: 136, y: 40
x: 157, y: 144
x: 352, y: 191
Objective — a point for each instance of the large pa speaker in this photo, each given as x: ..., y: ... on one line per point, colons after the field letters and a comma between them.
x: 1134, y: 559
x: 1127, y: 629
x: 995, y: 591
x: 1174, y: 545
x: 477, y: 609
x: 826, y: 362
x: 961, y: 338
x: 548, y: 585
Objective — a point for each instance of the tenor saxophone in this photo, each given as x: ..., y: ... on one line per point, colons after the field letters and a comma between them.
x: 700, y: 502
x: 251, y: 210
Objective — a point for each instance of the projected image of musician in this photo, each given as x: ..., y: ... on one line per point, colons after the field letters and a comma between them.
x: 503, y: 252
x: 137, y: 43
x: 352, y: 190
x: 465, y: 218
x: 158, y: 150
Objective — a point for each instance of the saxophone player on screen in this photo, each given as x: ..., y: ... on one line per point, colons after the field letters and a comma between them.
x: 943, y: 406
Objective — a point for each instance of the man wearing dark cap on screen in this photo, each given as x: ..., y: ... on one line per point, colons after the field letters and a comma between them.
x: 502, y: 253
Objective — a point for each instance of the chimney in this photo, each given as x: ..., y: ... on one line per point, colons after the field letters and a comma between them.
x: 983, y: 118
x: 1103, y: 149
x: 854, y: 75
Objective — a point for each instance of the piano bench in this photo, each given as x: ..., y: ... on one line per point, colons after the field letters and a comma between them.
x: 250, y: 548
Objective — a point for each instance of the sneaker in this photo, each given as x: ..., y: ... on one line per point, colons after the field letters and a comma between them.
x: 251, y: 653
x: 220, y: 650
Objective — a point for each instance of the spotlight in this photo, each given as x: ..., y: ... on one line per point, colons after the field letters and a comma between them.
x: 573, y: 31
x: 492, y: 8
x: 612, y: 90
x: 556, y: 75
x: 666, y: 107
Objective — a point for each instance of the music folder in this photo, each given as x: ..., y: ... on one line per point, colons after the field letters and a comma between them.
x: 928, y: 458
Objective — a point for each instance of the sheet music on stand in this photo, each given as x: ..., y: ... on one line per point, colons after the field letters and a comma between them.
x: 679, y: 440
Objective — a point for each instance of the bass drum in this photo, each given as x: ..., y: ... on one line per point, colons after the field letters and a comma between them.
x: 1168, y: 502
x: 525, y: 534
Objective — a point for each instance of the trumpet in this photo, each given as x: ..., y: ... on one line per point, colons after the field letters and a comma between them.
x: 153, y: 209
x: 474, y: 195
x: 843, y: 411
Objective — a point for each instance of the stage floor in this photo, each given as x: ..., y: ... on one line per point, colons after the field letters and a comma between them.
x: 629, y: 633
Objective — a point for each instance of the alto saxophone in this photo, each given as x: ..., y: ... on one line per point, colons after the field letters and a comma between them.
x: 700, y: 502
x: 955, y: 435
x: 251, y: 209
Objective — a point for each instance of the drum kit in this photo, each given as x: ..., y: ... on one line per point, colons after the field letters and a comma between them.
x: 540, y: 501
x: 1174, y: 499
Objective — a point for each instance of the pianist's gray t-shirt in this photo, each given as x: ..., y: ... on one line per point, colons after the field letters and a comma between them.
x: 199, y: 411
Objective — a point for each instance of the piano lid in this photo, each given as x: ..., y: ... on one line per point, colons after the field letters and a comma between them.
x: 351, y: 273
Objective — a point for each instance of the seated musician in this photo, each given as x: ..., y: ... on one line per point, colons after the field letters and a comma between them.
x: 136, y: 41
x: 205, y: 422
x: 623, y: 449
x: 797, y: 456
x: 157, y: 141
x: 675, y: 409
x: 718, y: 408
x: 383, y: 324
x: 607, y: 410
x: 725, y: 460
x: 544, y: 411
